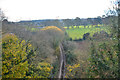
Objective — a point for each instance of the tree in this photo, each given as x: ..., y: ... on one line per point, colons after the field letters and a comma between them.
x: 103, y: 61
x: 86, y: 36
x: 77, y: 21
x: 2, y: 15
x: 118, y: 10
x: 68, y: 22
x: 39, y: 70
x: 14, y: 57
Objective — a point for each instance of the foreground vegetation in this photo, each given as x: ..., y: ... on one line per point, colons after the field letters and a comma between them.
x: 17, y: 60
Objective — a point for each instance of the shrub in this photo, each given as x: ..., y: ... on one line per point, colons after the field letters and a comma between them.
x: 40, y: 70
x: 103, y: 61
x: 14, y: 57
x: 69, y: 48
x: 72, y: 71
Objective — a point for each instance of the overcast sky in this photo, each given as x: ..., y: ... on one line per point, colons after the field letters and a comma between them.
x: 17, y: 10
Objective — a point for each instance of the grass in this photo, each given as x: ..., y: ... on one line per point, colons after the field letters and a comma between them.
x: 77, y: 33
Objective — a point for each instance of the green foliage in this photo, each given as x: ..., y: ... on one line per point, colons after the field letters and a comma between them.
x: 72, y: 71
x: 40, y: 70
x: 71, y: 58
x: 55, y: 69
x: 77, y: 33
x: 103, y: 61
x: 69, y: 48
x: 17, y: 60
x: 14, y: 57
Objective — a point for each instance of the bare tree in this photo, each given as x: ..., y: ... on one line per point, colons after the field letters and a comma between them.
x: 2, y: 15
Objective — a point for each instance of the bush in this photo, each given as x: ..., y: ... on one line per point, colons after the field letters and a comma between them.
x: 100, y: 35
x: 69, y: 48
x: 72, y: 71
x: 86, y: 36
x: 40, y: 70
x: 71, y: 58
x: 103, y: 61
x: 14, y: 57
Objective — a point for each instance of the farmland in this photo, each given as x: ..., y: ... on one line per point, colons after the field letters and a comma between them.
x: 77, y: 32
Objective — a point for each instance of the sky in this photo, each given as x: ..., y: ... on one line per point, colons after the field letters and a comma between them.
x: 17, y: 10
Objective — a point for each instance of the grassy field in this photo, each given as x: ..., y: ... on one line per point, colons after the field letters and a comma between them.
x: 77, y: 32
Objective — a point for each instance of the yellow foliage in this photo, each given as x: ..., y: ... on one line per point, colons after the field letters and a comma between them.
x: 42, y: 70
x: 52, y: 28
x: 14, y: 57
x: 71, y: 70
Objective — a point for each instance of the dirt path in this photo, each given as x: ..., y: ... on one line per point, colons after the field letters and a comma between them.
x: 62, y: 62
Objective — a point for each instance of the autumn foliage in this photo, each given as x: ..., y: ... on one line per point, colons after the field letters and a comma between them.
x: 72, y: 70
x: 15, y: 58
x: 103, y: 62
x: 52, y: 28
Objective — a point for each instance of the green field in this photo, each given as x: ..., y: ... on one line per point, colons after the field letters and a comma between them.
x: 78, y: 32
